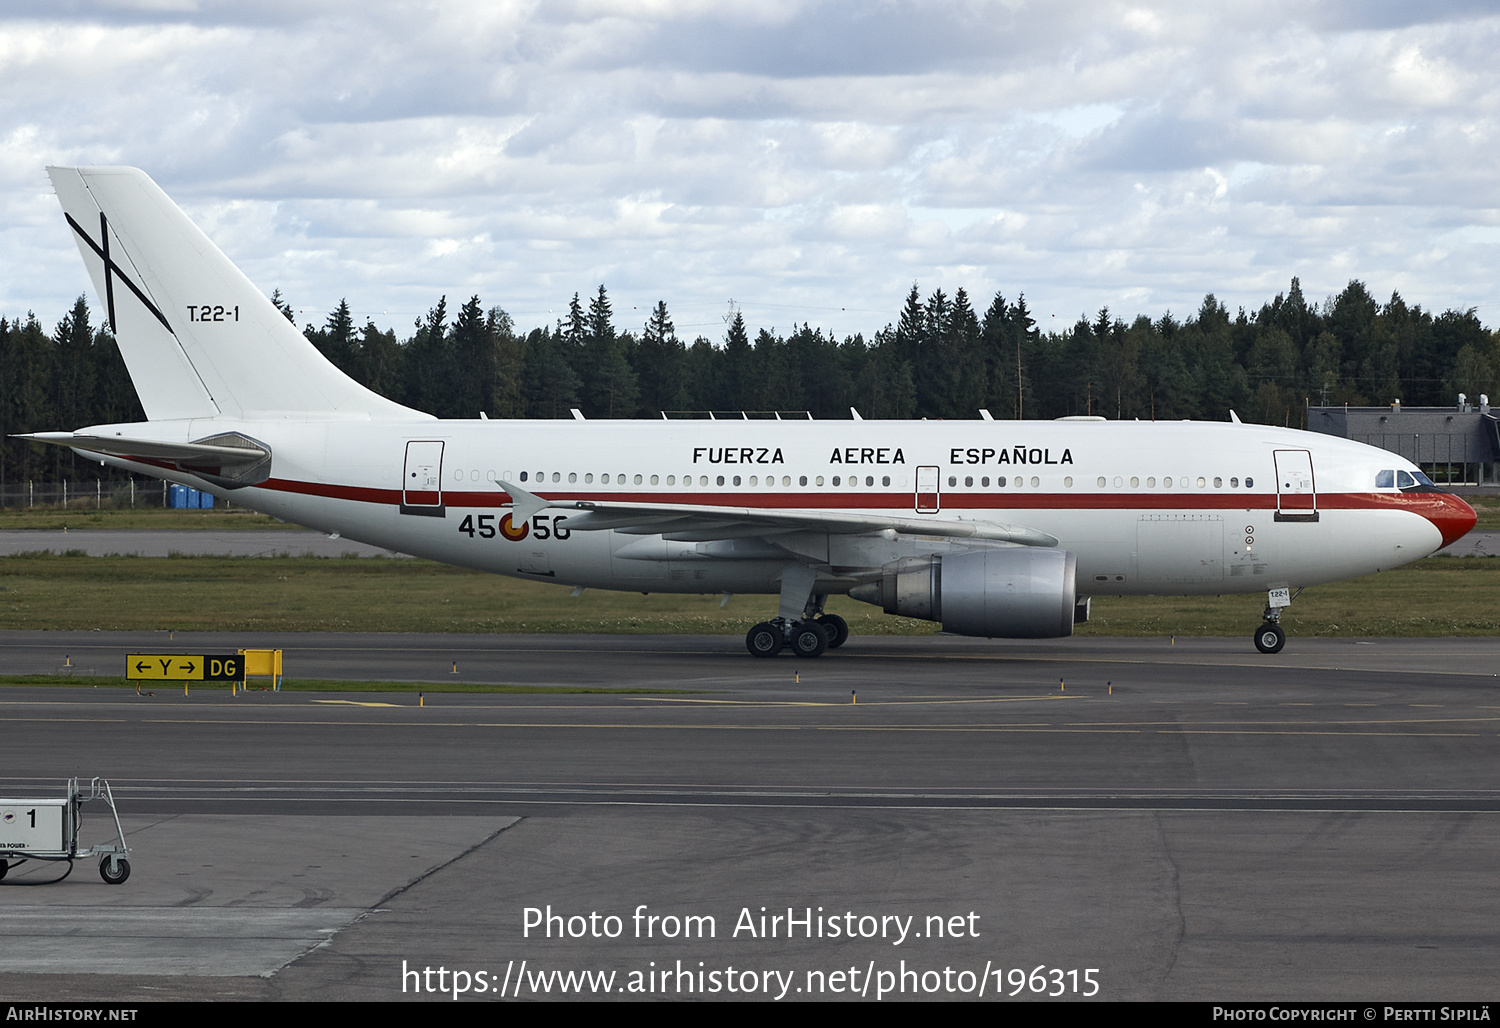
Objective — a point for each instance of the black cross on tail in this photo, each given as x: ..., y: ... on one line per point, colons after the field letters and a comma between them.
x: 111, y: 270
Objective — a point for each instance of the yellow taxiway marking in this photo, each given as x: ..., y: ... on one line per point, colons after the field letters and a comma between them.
x: 1062, y: 658
x: 862, y: 703
x: 361, y: 703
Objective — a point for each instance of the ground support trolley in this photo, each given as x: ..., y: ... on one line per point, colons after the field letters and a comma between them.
x: 48, y: 830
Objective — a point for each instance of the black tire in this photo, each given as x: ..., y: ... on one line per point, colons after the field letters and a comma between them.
x: 114, y: 879
x: 809, y: 639
x: 1269, y: 638
x: 836, y: 628
x: 4, y: 867
x: 764, y: 640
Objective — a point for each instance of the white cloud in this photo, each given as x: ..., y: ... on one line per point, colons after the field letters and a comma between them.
x: 818, y: 156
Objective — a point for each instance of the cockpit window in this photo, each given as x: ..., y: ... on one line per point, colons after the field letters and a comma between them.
x: 1424, y: 480
x: 1404, y: 480
x: 1385, y: 480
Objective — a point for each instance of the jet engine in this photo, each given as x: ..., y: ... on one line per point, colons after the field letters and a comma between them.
x: 1013, y: 592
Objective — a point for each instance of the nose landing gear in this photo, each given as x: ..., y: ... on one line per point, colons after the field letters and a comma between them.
x: 1270, y: 637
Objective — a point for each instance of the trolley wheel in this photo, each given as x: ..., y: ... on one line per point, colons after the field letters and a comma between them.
x: 114, y: 879
x: 1269, y: 638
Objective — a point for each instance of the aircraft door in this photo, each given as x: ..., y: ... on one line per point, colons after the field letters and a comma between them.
x: 1296, y: 495
x: 422, y: 479
x: 928, y: 498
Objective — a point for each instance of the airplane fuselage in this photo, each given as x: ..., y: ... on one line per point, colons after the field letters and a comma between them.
x: 1182, y: 508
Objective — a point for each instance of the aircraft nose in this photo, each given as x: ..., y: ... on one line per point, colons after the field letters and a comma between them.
x: 1451, y: 516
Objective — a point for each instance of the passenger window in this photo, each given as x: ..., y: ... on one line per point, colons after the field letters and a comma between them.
x: 1068, y: 482
x: 886, y: 480
x: 1000, y: 482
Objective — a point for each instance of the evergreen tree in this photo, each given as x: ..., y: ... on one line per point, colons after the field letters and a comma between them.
x: 735, y: 385
x: 659, y: 365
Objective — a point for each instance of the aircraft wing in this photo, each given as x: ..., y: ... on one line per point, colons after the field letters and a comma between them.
x: 684, y: 522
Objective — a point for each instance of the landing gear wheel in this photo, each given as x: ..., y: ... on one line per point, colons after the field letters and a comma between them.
x: 836, y: 628
x: 115, y: 878
x: 764, y: 640
x: 1269, y: 638
x: 809, y: 639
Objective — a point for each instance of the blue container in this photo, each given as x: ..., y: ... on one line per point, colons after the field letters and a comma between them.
x: 182, y: 497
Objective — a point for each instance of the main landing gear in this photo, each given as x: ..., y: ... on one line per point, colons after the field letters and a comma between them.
x: 1270, y: 637
x: 800, y: 624
x: 807, y: 638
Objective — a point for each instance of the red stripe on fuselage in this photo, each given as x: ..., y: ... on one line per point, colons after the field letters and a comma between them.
x: 1451, y: 515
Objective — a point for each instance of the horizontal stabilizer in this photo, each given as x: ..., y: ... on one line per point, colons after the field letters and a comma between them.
x: 230, y: 459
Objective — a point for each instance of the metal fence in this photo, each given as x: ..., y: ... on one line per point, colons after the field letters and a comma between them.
x: 85, y: 493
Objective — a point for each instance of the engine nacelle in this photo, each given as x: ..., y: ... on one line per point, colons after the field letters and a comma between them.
x: 1020, y: 592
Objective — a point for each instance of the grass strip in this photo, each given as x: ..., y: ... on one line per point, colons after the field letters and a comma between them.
x: 1440, y: 596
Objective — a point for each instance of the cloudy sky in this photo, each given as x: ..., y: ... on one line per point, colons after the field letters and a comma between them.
x: 807, y: 160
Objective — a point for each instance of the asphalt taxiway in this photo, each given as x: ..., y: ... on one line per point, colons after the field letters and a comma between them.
x: 1192, y: 819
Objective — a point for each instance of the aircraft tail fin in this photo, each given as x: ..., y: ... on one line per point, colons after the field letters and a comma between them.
x: 197, y: 336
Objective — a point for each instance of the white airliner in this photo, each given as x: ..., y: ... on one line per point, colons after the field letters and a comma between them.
x: 996, y: 529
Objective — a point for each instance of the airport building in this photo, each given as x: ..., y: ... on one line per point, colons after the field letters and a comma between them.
x: 1457, y: 445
